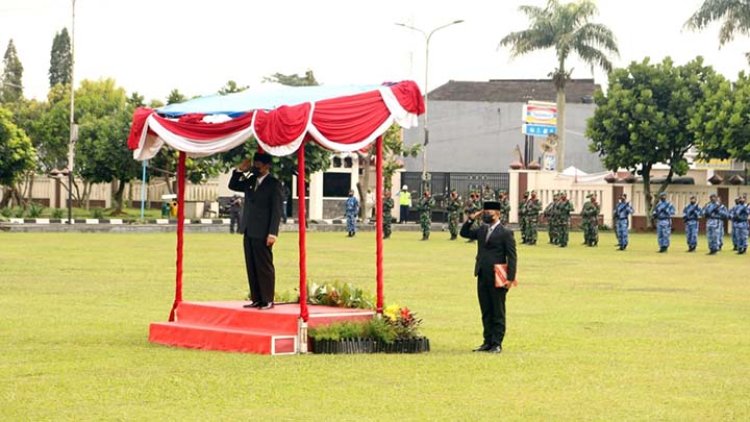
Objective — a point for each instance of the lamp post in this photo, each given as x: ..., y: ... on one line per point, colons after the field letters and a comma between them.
x: 73, y: 126
x: 427, y: 37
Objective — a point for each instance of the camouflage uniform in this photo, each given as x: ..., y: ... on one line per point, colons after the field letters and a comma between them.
x: 590, y: 221
x: 504, y: 209
x: 532, y: 209
x: 488, y: 194
x: 740, y: 215
x: 550, y: 214
x: 663, y: 212
x: 425, y: 214
x: 522, y: 221
x: 470, y: 207
x: 715, y: 214
x: 388, y: 205
x: 564, y: 208
x: 454, y: 214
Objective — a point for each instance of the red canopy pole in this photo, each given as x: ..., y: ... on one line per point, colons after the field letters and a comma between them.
x: 180, y: 230
x: 303, y: 313
x: 379, y: 220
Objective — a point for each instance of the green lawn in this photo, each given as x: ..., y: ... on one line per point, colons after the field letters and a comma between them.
x: 594, y: 334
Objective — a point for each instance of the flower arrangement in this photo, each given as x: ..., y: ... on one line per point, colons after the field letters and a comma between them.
x: 404, y: 322
x: 335, y: 294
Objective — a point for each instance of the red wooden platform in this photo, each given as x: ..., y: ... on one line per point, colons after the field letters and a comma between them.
x: 228, y: 326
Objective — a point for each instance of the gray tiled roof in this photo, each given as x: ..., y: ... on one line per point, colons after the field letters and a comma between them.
x: 513, y: 91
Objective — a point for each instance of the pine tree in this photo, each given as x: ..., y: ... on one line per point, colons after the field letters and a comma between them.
x: 12, y: 84
x: 61, y: 59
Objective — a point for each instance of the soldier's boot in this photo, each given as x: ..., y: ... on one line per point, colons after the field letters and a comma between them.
x: 662, y: 249
x: 712, y: 252
x: 691, y: 248
x: 453, y: 237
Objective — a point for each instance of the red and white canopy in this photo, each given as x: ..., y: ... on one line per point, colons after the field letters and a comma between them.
x: 341, y: 119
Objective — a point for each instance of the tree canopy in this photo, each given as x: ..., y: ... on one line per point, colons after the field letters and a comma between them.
x: 61, y: 59
x: 11, y: 86
x: 17, y: 155
x: 734, y: 14
x: 644, y: 117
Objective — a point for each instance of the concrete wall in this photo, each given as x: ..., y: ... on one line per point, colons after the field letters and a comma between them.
x: 481, y: 137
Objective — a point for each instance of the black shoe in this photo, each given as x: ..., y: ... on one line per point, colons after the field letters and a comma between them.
x: 742, y: 251
x: 453, y: 237
x: 266, y: 306
x: 712, y: 252
x: 662, y: 249
x: 252, y: 305
x: 494, y: 349
x: 482, y: 348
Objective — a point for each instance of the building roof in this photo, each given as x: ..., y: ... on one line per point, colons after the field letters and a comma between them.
x: 514, y: 91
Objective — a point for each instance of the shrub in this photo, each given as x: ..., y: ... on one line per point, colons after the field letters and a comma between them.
x: 97, y: 213
x: 57, y: 213
x: 6, y: 212
x: 19, y: 212
x: 35, y: 210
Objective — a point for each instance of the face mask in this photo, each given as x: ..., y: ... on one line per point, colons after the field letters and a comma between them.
x: 487, y: 218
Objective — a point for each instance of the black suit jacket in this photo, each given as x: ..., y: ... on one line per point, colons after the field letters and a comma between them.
x: 500, y: 248
x: 261, y: 213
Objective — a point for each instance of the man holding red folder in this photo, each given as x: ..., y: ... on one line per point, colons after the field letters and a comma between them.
x: 496, y: 247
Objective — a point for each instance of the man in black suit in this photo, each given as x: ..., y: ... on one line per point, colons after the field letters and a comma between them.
x: 261, y: 216
x: 495, y: 245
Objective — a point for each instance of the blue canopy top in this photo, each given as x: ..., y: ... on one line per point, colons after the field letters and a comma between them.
x: 266, y: 96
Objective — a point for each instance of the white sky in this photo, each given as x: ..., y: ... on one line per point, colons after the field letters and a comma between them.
x: 153, y: 46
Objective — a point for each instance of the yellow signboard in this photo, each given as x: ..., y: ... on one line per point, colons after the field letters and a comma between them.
x: 713, y: 164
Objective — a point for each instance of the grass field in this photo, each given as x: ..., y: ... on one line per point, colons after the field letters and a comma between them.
x: 593, y: 334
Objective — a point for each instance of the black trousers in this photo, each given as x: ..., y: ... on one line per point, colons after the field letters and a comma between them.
x: 403, y: 213
x: 234, y: 222
x: 492, y: 306
x: 261, y: 274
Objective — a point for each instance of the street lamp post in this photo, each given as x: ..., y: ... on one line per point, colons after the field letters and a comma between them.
x: 73, y: 127
x: 428, y: 37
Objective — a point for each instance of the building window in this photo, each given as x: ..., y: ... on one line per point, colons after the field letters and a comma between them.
x: 336, y: 185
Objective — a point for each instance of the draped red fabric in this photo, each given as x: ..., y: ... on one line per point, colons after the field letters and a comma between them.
x: 136, y: 129
x: 201, y: 131
x: 282, y: 125
x: 348, y: 120
x: 408, y: 95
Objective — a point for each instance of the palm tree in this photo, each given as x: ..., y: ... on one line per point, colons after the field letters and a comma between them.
x: 734, y: 13
x: 566, y: 28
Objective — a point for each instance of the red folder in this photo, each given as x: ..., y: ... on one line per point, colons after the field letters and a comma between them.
x: 501, y: 277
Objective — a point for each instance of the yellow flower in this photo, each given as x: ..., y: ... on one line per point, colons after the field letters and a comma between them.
x: 392, y: 311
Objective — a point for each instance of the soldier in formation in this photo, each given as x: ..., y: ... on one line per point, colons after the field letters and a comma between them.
x: 388, y: 205
x: 471, y: 207
x: 549, y: 215
x: 621, y: 213
x: 690, y: 215
x: 663, y: 212
x: 590, y: 221
x: 488, y: 194
x: 563, y: 211
x: 425, y: 214
x: 532, y: 207
x: 454, y: 213
x: 522, y: 221
x: 504, y: 208
x: 351, y: 211
x: 740, y: 214
x: 715, y: 213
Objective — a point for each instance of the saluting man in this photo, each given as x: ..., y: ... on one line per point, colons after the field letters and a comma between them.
x: 495, y: 245
x: 622, y: 211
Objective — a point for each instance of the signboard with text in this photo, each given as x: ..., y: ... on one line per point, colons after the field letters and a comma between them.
x: 539, y: 118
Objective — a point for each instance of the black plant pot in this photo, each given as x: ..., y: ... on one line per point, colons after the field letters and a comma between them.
x: 368, y: 345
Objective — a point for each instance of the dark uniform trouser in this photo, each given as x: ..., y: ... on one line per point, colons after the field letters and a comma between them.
x: 261, y: 275
x: 234, y: 221
x: 403, y: 213
x: 492, y: 306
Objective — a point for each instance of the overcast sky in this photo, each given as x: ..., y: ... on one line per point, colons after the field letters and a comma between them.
x: 153, y: 46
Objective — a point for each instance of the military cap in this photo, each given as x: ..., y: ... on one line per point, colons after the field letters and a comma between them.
x: 491, y: 205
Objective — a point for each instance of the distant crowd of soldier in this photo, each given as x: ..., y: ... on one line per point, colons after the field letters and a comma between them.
x: 557, y: 215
